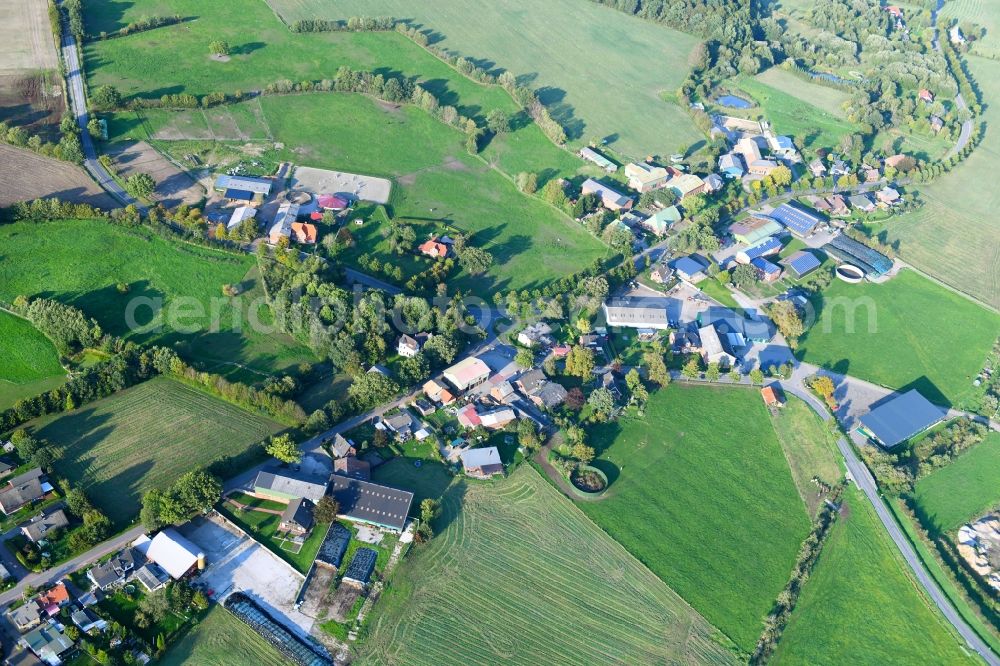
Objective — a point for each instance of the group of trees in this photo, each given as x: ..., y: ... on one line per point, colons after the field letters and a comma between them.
x: 96, y: 526
x: 67, y: 149
x: 141, y: 25
x: 194, y: 492
x: 897, y: 472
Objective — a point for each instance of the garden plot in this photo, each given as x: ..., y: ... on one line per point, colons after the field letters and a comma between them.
x: 324, y: 181
x: 237, y: 563
x: 173, y: 186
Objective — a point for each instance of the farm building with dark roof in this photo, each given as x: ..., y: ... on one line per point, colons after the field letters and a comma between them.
x: 899, y: 419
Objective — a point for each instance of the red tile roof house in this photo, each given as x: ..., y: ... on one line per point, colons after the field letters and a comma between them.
x: 926, y: 95
x: 468, y: 417
x: 304, y: 233
x: 433, y: 248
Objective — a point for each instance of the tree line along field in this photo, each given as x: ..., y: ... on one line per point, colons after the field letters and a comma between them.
x: 964, y: 489
x: 953, y: 236
x: 701, y: 494
x: 146, y: 437
x: 269, y: 52
x: 221, y: 639
x: 907, y: 332
x: 80, y: 262
x: 580, y: 56
x: 29, y: 363
x: 860, y: 605
x: 518, y: 575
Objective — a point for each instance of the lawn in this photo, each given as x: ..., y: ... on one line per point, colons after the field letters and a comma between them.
x: 59, y: 260
x: 29, y: 364
x: 797, y: 108
x: 907, y: 332
x: 810, y: 448
x: 860, y: 605
x: 953, y: 236
x: 965, y: 488
x: 430, y: 480
x: 435, y: 180
x: 701, y: 493
x: 596, y: 90
x: 145, y: 437
x: 221, y: 640
x: 518, y: 575
x: 264, y: 527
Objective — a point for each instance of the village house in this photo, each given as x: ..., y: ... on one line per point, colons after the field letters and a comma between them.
x: 22, y: 490
x: 689, y: 269
x: 610, y: 199
x: 685, y: 341
x: 503, y: 392
x: 595, y: 157
x: 661, y: 221
x: 535, y: 334
x: 530, y: 381
x: 400, y: 424
x: 637, y: 313
x: 643, y: 177
x: 731, y: 165
x: 468, y: 417
x: 497, y: 418
x: 838, y: 205
x: 49, y: 643
x: 887, y: 196
x: 712, y: 350
x: 713, y: 183
x: 661, y: 273
x: 870, y: 174
x: 438, y: 393
x: 482, y: 463
x: 686, y: 184
x: 115, y: 572
x: 343, y: 447
x: 424, y: 406
x: 549, y: 395
x: 817, y: 168
x: 749, y: 149
x: 936, y: 124
x: 37, y: 528
x: 353, y: 467
x: 781, y: 146
x: 895, y: 161
x: 766, y: 271
x: 304, y: 233
x: 433, y: 247
x: 772, y: 396
x: 955, y: 35
x: 839, y: 168
x: 87, y: 621
x: 297, y: 518
x: 925, y: 96
x: 862, y: 202
x: 409, y: 346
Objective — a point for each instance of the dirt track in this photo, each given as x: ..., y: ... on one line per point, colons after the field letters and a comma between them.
x: 29, y: 176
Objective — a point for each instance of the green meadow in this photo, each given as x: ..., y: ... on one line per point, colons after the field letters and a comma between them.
x: 963, y: 489
x: 701, y: 493
x: 907, y: 332
x: 29, y: 363
x: 860, y: 605
x: 81, y: 263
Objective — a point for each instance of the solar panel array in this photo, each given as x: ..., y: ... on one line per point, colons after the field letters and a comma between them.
x: 362, y: 565
x: 293, y: 648
x: 851, y: 251
x: 796, y: 219
x: 334, y: 545
x: 803, y: 262
x: 766, y: 246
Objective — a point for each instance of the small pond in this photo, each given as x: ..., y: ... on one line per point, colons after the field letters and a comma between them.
x: 733, y: 102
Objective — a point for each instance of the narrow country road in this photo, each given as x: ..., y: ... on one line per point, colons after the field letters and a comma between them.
x: 78, y: 100
x: 50, y: 576
x: 866, y: 482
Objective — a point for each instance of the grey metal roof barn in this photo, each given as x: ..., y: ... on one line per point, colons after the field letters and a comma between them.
x: 371, y: 503
x: 289, y: 485
x: 637, y: 313
x: 901, y: 418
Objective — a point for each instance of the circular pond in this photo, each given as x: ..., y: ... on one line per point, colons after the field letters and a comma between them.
x: 589, y: 480
x: 850, y: 273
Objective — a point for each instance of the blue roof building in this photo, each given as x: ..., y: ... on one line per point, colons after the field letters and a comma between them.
x: 799, y: 221
x: 899, y: 419
x: 769, y: 245
x: 802, y: 263
x: 731, y: 165
x: 768, y: 272
x: 688, y: 268
x: 238, y: 195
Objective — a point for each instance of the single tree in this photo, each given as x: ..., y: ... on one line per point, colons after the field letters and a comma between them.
x: 524, y: 358
x: 219, y: 47
x: 326, y: 509
x: 284, y: 449
x: 140, y: 185
x: 498, y: 122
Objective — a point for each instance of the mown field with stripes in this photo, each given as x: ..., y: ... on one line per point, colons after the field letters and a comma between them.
x: 518, y: 575
x: 146, y: 437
